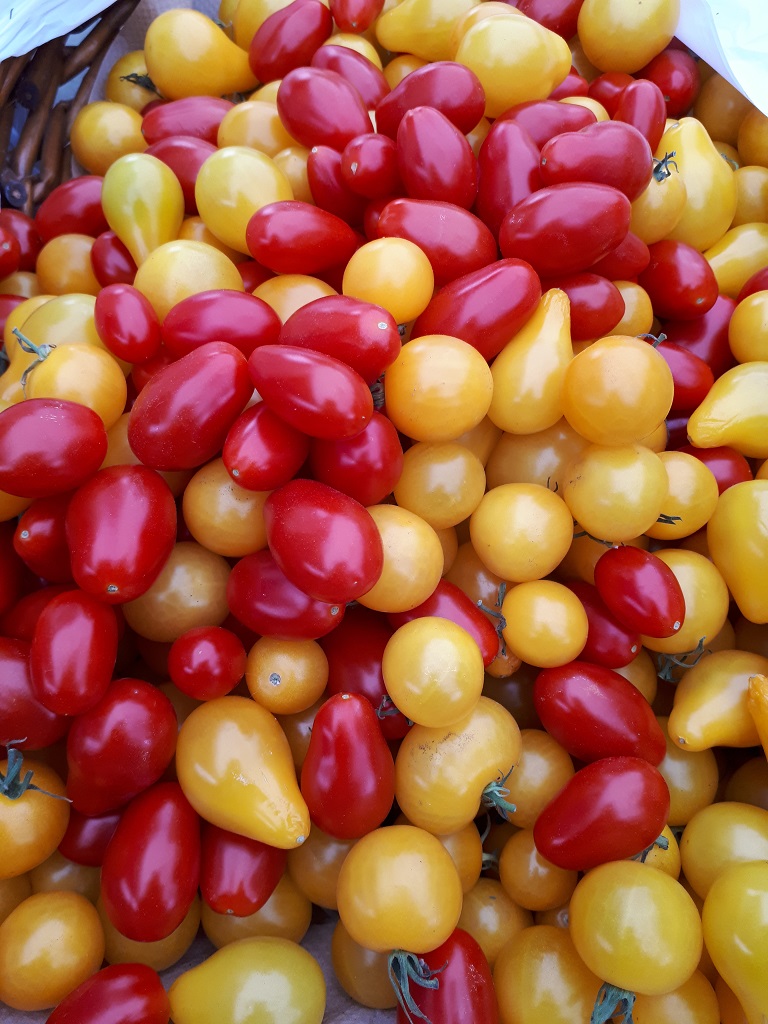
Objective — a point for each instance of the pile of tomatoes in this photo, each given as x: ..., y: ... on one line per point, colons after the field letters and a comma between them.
x: 384, y: 525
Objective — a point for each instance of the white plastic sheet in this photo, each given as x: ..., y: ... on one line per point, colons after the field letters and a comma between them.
x: 26, y: 24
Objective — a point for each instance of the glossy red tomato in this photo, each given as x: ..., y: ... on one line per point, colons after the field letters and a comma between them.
x: 262, y: 451
x: 706, y: 335
x: 142, y: 373
x: 14, y: 577
x: 596, y: 303
x: 73, y: 207
x: 20, y: 620
x: 728, y: 466
x: 206, y: 662
x: 328, y: 187
x: 10, y: 253
x: 691, y: 376
x: 594, y: 712
x: 313, y: 392
x: 118, y: 994
x: 573, y: 84
x: 624, y: 262
x: 642, y: 105
x: 126, y: 323
x: 262, y: 598
x: 238, y: 318
x: 237, y: 874
x: 25, y: 232
x: 356, y: 69
x: 121, y: 528
x: 366, y: 467
x: 680, y: 282
x: 484, y: 308
x: 758, y: 282
x: 22, y: 716
x: 40, y: 538
x: 196, y: 117
x: 451, y: 88
x: 369, y: 166
x: 151, y: 868
x: 558, y: 16
x: 291, y: 237
x: 73, y: 652
x: 86, y: 839
x: 508, y: 165
x: 325, y: 542
x: 181, y: 417
x: 455, y: 241
x: 640, y: 590
x: 288, y: 38
x: 319, y: 107
x: 434, y: 158
x: 111, y: 261
x: 121, y: 747
x: 185, y: 155
x: 608, y: 88
x: 355, y: 15
x: 609, y: 153
x: 676, y: 73
x: 609, y: 642
x: 48, y: 446
x: 543, y: 119
x: 609, y: 810
x: 564, y: 228
x: 348, y: 775
x: 253, y: 274
x: 7, y: 304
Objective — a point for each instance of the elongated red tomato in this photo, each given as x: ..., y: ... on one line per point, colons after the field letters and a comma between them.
x: 369, y: 166
x: 238, y: 318
x: 455, y: 241
x: 484, y: 308
x: 19, y: 621
x: 121, y: 528
x: 559, y: 16
x: 355, y: 15
x: 181, y: 417
x: 348, y: 775
x: 48, y: 446
x: 262, y: 597
x: 356, y: 69
x: 366, y: 466
x: 237, y: 874
x: 288, y: 38
x: 262, y: 451
x: 151, y: 868
x: 565, y: 228
x: 195, y: 116
x: 118, y: 994
x: 73, y: 207
x: 625, y: 261
x: 608, y: 152
x: 594, y: 712
x: 642, y: 105
x: 328, y: 187
x: 596, y: 303
x: 73, y: 652
x: 608, y: 87
x: 508, y: 164
x: 126, y: 323
x: 609, y: 642
x: 434, y: 158
x: 313, y: 392
x: 185, y: 155
x: 111, y: 261
x: 679, y: 281
x: 543, y: 119
x: 40, y: 538
x: 447, y: 86
x: 609, y: 810
x: 319, y: 107
x: 640, y: 590
x: 691, y: 376
x: 292, y: 237
x: 87, y: 837
x: 22, y: 716
x: 706, y: 335
x: 325, y: 542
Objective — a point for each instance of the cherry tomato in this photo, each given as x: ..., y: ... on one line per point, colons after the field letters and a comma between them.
x: 87, y: 837
x: 596, y: 304
x: 679, y: 281
x: 292, y: 237
x: 706, y: 335
x: 608, y: 152
x: 126, y: 323
x: 691, y: 376
x: 318, y: 106
x: 640, y: 590
x: 369, y: 166
x: 451, y: 88
x: 40, y: 538
x: 543, y: 119
x: 508, y: 166
x: 676, y: 73
x: 240, y: 319
x: 607, y: 89
x: 192, y: 117
x: 22, y: 714
x: 185, y: 155
x: 206, y: 662
x: 72, y: 207
x: 22, y: 227
x: 32, y: 820
x: 328, y: 187
x: 434, y: 158
x: 262, y: 451
x: 237, y: 875
x: 355, y: 68
x: 113, y: 996
x: 288, y: 38
x: 609, y: 642
x: 111, y: 261
x: 615, y: 39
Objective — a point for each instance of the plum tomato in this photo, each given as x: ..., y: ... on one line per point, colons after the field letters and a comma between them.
x: 126, y: 323
x: 640, y: 590
x: 238, y: 318
x: 366, y: 466
x: 237, y: 874
x: 292, y: 237
x: 262, y: 451
x: 357, y: 69
x: 508, y: 168
x: 319, y: 107
x: 449, y: 87
x: 434, y: 158
x: 608, y: 152
x: 288, y: 38
x: 544, y: 119
x: 679, y: 281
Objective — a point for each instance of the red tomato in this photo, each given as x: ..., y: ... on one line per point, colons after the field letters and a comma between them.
x: 73, y: 653
x: 565, y: 228
x: 262, y: 451
x: 111, y: 261
x: 325, y: 542
x: 237, y: 874
x: 185, y: 155
x: 86, y: 839
x: 181, y: 417
x: 288, y: 38
x: 142, y: 373
x: 22, y: 716
x: 594, y: 712
x: 464, y: 989
x: 508, y: 163
x: 253, y: 274
x: 319, y: 107
x: 25, y: 232
x: 369, y: 166
x: 10, y: 253
x: 121, y: 528
x: 262, y: 597
x: 434, y: 158
x: 151, y: 868
x: 758, y: 282
x: 558, y: 16
x: 206, y: 662
x: 291, y: 237
x: 691, y: 376
x: 706, y: 335
x: 74, y: 207
x: 313, y: 392
x: 642, y: 105
x: 357, y: 69
x: 609, y: 153
x: 13, y: 575
x: 728, y: 466
x: 366, y: 467
x: 348, y: 775
x: 607, y: 89
x: 19, y: 621
x: 196, y: 117
x: 609, y: 642
x: 126, y: 323
x: 7, y: 304
x: 573, y: 84
x: 609, y: 810
x: 676, y: 73
x: 118, y: 994
x: 41, y: 539
x: 680, y: 282
x: 484, y: 308
x: 48, y: 446
x: 640, y: 590
x: 623, y: 263
x: 328, y: 187
x: 444, y: 85
x: 543, y: 119
x: 596, y: 303
x: 121, y: 747
x: 355, y: 15
x: 239, y: 319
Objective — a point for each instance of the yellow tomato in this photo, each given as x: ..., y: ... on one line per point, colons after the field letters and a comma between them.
x: 222, y: 516
x: 748, y: 328
x: 143, y: 203
x: 158, y: 955
x: 706, y: 602
x: 544, y: 623
x: 617, y: 37
x: 285, y: 915
x: 749, y: 783
x: 176, y: 270
x: 442, y: 482
x: 601, y: 114
x: 400, y: 67
x: 690, y: 500
x: 194, y: 230
x: 539, y: 458
x: 257, y: 124
x: 23, y: 283
x: 492, y: 917
x: 421, y: 27
x: 32, y: 824
x: 751, y: 195
x: 737, y: 534
x: 657, y: 210
x: 738, y: 255
x: 721, y: 108
x: 481, y: 439
x: 393, y: 273
x: 362, y: 973
x: 486, y: 9
x: 292, y: 161
x: 84, y: 374
x: 638, y: 311
x: 58, y: 874
x: 694, y: 1002
x: 117, y: 88
x: 530, y: 879
x: 752, y: 140
x: 641, y: 672
x: 14, y: 891
x: 286, y: 676
x: 64, y: 265
x: 734, y: 413
x: 315, y: 865
x: 235, y: 767
x: 666, y: 859
x: 413, y: 560
x: 358, y: 43
x: 542, y: 771
x: 103, y: 132
x: 719, y: 836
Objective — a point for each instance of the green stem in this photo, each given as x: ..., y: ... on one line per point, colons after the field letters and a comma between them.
x: 661, y: 841
x: 610, y: 1002
x: 495, y: 795
x: 13, y: 785
x: 661, y: 168
x: 666, y: 663
x: 404, y: 968
x: 143, y: 81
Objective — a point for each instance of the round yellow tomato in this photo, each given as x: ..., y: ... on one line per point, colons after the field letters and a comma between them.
x: 721, y: 108
x: 621, y: 37
x: 158, y: 955
x: 58, y: 874
x: 638, y: 311
x: 362, y: 973
x: 315, y: 865
x: 117, y: 88
x: 542, y: 771
x: 719, y: 836
x: 286, y: 676
x: 657, y: 210
x: 694, y: 1002
x: 751, y: 195
x: 442, y: 482
x: 288, y: 292
x: 539, y: 458
x: 86, y: 374
x: 255, y: 123
x: 32, y: 822
x: 393, y: 273
x: 492, y: 917
x: 413, y: 560
x: 690, y: 500
x: 102, y: 132
x: 691, y: 776
x: 222, y: 516
x: 64, y: 265
x: 544, y: 623
x: 14, y: 891
x: 530, y: 879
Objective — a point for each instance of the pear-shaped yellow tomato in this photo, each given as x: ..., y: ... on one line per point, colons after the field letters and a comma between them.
x: 711, y: 707
x: 393, y: 273
x: 187, y: 54
x: 259, y: 980
x: 748, y: 327
x: 81, y: 373
x: 735, y: 920
x: 757, y: 702
x: 737, y: 255
x: 441, y: 774
x: 636, y: 927
x: 117, y: 88
x: 720, y: 835
x: 486, y: 9
x: 624, y: 37
x: 737, y: 535
x: 690, y: 500
x: 398, y: 889
x: 103, y: 132
x: 143, y: 203
x: 528, y: 372
x: 179, y: 269
x: 660, y: 206
x: 421, y: 27
x: 544, y: 623
x: 235, y: 767
x: 691, y: 776
x: 735, y: 412
x: 706, y: 602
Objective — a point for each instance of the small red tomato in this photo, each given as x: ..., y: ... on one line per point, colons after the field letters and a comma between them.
x: 329, y: 189
x: 596, y: 303
x: 452, y: 89
x: 624, y: 262
x: 239, y: 319
x: 41, y: 539
x: 10, y: 253
x: 22, y: 717
x: 20, y: 620
x: 706, y: 335
x: 292, y: 237
x: 111, y: 261
x: 74, y: 207
x: 288, y: 38
x: 196, y: 117
x: 237, y: 874
x: 758, y: 282
x: 691, y: 376
x: 369, y: 166
x: 680, y: 282
x: 262, y: 451
x: 118, y: 994
x: 434, y: 158
x: 7, y: 304
x: 543, y: 119
x: 87, y: 837
x: 642, y: 105
x: 355, y: 15
x: 357, y: 69
x: 573, y: 84
x: 640, y: 590
x: 508, y: 164
x: 559, y: 16
x: 126, y: 323
x: 25, y: 232
x: 676, y: 73
x: 206, y: 662
x: 609, y: 642
x: 608, y: 88
x: 185, y: 155
x: 319, y: 107
x: 366, y: 466
x: 609, y: 153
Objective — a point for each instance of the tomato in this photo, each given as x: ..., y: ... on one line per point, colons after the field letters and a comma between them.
x: 120, y: 747
x: 361, y: 972
x: 640, y: 590
x: 287, y: 677
x: 676, y: 73
x: 443, y: 483
x: 369, y: 166
x: 191, y: 117
x: 185, y: 154
x: 355, y: 15
x: 543, y: 119
x: 543, y: 623
x: 143, y: 203
x: 707, y: 335
x: 564, y: 228
x: 262, y: 451
x: 449, y: 87
x: 288, y: 38
x: 33, y: 813
x: 21, y: 712
x: 40, y: 538
x: 87, y: 838
x: 679, y: 281
x: 651, y: 954
x: 609, y: 642
x: 112, y: 262
x: 49, y: 945
x: 237, y: 875
x: 530, y: 880
x: 720, y: 836
x: 286, y: 914
x: 291, y: 237
x: 355, y: 68
x: 318, y: 106
x: 611, y: 809
x: 126, y: 323
x: 608, y: 88
x: 113, y: 563
x: 113, y: 995
x: 731, y: 413
x: 72, y: 207
x: 608, y: 152
x: 508, y: 166
x: 287, y: 979
x: 596, y: 304
x: 736, y: 535
x: 615, y: 39
x: 328, y: 188
x: 206, y: 662
x: 691, y: 376
x: 22, y: 227
x: 240, y: 319
x: 434, y: 158
x: 48, y: 446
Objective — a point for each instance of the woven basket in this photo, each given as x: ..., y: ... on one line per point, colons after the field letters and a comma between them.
x: 40, y: 95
